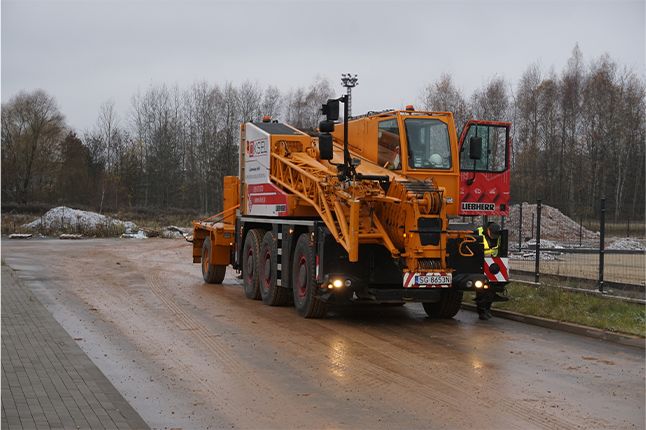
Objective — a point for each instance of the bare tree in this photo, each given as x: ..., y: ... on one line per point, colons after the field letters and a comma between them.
x: 106, y: 141
x: 320, y: 90
x: 571, y: 88
x: 250, y: 99
x: 443, y: 96
x: 32, y: 127
x: 492, y: 103
x: 526, y: 178
x: 271, y: 103
x: 296, y: 108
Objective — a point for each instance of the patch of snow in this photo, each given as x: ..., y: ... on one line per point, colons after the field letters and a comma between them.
x: 64, y: 217
x: 130, y: 235
x: 545, y: 244
x: 173, y: 232
x: 625, y: 244
x: 531, y: 256
x: 71, y: 236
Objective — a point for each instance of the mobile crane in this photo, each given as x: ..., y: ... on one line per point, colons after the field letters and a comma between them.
x: 360, y: 213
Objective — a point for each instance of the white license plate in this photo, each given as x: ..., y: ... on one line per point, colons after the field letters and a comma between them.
x: 433, y: 279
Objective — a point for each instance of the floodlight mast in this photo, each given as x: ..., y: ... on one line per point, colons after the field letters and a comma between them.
x: 349, y: 82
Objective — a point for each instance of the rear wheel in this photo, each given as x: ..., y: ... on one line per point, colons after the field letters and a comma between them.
x: 251, y: 263
x: 447, y: 307
x: 271, y: 293
x: 211, y: 273
x: 304, y: 281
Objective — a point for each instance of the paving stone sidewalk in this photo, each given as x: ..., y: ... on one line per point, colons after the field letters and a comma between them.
x: 47, y: 379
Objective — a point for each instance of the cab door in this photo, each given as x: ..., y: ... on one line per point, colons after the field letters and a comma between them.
x: 484, y: 183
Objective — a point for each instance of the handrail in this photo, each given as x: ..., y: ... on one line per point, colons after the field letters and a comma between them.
x: 223, y: 212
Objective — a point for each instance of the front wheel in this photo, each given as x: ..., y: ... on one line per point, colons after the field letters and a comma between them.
x: 447, y: 307
x: 211, y: 273
x: 304, y: 281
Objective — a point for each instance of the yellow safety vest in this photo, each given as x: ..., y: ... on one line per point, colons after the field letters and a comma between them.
x: 490, y: 252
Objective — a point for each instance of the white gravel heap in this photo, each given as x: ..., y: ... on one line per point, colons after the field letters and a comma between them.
x: 554, y: 224
x: 64, y: 217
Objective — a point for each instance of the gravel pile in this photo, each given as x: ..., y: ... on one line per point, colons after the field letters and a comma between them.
x: 554, y: 224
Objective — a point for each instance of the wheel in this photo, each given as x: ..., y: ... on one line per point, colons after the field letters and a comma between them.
x: 212, y: 273
x: 447, y: 307
x: 304, y: 281
x: 251, y: 263
x: 271, y: 293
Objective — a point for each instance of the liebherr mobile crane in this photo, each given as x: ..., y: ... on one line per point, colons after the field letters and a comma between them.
x: 361, y: 213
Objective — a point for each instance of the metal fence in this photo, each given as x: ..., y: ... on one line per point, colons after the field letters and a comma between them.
x: 584, y: 263
x: 545, y: 245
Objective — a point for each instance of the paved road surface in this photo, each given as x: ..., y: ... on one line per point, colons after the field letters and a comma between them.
x: 190, y: 355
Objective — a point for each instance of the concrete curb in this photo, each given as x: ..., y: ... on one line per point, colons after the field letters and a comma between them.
x: 595, y: 333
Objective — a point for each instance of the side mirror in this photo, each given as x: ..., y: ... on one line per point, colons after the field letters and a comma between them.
x: 331, y: 110
x: 475, y: 148
x: 326, y: 148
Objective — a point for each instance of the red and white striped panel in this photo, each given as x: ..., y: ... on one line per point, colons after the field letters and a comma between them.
x: 409, y: 280
x: 503, y: 275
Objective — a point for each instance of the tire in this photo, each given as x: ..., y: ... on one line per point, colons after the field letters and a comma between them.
x: 447, y: 307
x: 251, y: 263
x: 271, y: 293
x: 304, y: 281
x: 211, y: 273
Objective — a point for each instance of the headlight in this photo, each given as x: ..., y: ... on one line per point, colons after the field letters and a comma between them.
x: 338, y: 283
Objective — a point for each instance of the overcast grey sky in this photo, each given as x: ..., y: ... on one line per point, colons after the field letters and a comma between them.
x: 86, y: 52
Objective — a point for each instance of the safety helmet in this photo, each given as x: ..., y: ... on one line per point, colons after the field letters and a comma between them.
x: 435, y: 159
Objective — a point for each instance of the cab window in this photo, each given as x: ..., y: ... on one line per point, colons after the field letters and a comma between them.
x: 428, y: 142
x: 494, y: 148
x: 388, y: 154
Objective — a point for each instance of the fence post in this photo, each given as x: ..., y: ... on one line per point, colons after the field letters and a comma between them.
x: 538, y: 240
x: 602, y: 231
x: 628, y: 232
x: 580, y: 230
x: 520, y: 228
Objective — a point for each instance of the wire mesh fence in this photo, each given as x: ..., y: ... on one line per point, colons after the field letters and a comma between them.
x: 557, y: 248
x: 546, y: 245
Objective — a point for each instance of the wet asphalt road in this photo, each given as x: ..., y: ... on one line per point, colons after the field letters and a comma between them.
x: 191, y: 355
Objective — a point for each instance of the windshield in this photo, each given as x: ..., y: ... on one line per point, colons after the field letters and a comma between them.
x: 428, y: 141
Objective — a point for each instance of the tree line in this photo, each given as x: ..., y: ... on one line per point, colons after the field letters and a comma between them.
x: 577, y: 136
x: 171, y: 150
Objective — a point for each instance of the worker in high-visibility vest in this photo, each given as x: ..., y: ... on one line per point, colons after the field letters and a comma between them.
x: 491, y: 238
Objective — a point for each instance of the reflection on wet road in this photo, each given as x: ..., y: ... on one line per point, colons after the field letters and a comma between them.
x: 191, y: 355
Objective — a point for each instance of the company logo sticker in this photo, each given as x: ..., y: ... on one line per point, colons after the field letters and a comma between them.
x: 257, y: 148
